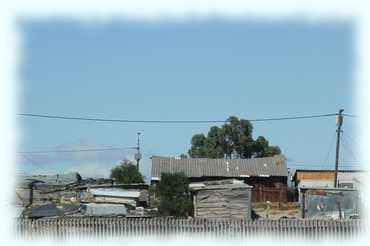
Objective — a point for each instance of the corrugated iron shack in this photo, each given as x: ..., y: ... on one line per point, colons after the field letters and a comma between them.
x: 324, y: 178
x: 55, y: 195
x: 132, y: 195
x: 333, y: 203
x: 268, y: 175
x: 221, y: 199
x: 41, y: 189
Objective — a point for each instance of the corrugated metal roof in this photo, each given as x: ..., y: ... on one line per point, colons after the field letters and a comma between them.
x: 226, y: 186
x: 52, y: 210
x: 114, y: 192
x: 205, y: 167
x: 47, y: 210
x: 24, y: 183
x: 93, y: 209
x: 58, y: 179
x: 219, y: 186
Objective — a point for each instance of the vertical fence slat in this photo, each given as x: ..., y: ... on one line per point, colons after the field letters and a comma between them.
x: 101, y: 228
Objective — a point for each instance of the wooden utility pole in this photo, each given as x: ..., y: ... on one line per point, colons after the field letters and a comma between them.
x: 138, y: 154
x: 339, y: 130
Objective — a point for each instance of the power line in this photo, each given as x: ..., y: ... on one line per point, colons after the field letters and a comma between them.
x: 321, y: 164
x: 326, y: 166
x: 342, y: 168
x: 330, y: 146
x: 33, y: 162
x: 73, y: 150
x: 116, y: 120
x: 347, y: 148
x: 168, y: 121
x: 294, y: 117
x: 318, y: 163
x: 348, y: 137
x: 352, y: 115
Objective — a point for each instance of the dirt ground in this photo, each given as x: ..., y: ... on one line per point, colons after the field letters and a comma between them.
x: 277, y: 210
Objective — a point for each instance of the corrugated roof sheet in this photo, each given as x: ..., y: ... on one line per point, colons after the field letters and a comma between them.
x: 204, y: 167
x: 58, y: 179
x: 114, y: 192
x: 52, y: 210
x: 47, y: 210
x: 214, y: 186
x: 140, y: 194
x: 105, y: 209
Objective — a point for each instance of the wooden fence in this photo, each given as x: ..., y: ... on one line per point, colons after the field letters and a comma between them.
x: 125, y: 227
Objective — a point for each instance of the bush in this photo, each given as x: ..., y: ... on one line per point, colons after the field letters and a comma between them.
x: 173, y: 190
x: 126, y: 173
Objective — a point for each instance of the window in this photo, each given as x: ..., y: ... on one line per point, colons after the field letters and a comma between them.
x: 345, y: 185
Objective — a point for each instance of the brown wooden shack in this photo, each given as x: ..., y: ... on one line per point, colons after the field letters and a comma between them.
x: 268, y: 175
x: 221, y: 199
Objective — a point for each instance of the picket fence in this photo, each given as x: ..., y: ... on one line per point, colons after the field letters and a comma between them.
x: 128, y: 227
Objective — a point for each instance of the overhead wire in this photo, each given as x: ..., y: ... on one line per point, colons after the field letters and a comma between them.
x: 80, y: 118
x: 351, y: 115
x: 347, y: 148
x: 330, y: 147
x: 74, y: 150
x: 30, y: 160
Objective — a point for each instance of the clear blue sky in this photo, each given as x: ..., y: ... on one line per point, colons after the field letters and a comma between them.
x: 205, y: 70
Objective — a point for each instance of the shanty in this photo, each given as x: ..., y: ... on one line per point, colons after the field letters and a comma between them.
x: 267, y: 176
x: 71, y: 195
x: 221, y: 199
x: 340, y: 203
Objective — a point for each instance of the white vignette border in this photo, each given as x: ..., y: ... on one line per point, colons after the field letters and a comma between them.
x: 96, y: 12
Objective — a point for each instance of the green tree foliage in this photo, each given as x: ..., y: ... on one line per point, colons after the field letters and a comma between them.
x: 231, y: 140
x: 184, y: 156
x: 262, y: 148
x: 173, y: 190
x: 126, y: 173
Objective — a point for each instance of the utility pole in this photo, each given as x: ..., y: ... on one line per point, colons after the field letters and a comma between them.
x: 339, y: 130
x: 138, y: 154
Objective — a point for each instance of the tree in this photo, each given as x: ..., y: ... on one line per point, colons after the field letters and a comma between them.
x: 184, y: 156
x: 262, y: 148
x: 173, y: 191
x: 126, y: 173
x: 231, y: 140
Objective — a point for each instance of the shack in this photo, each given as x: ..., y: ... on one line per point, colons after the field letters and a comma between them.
x: 132, y: 195
x: 25, y: 192
x: 221, y: 199
x: 268, y: 176
x: 324, y: 178
x: 329, y: 203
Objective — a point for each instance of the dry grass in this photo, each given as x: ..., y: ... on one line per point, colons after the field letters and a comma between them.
x: 276, y: 210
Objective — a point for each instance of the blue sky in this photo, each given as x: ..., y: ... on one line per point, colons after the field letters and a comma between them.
x: 169, y: 70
